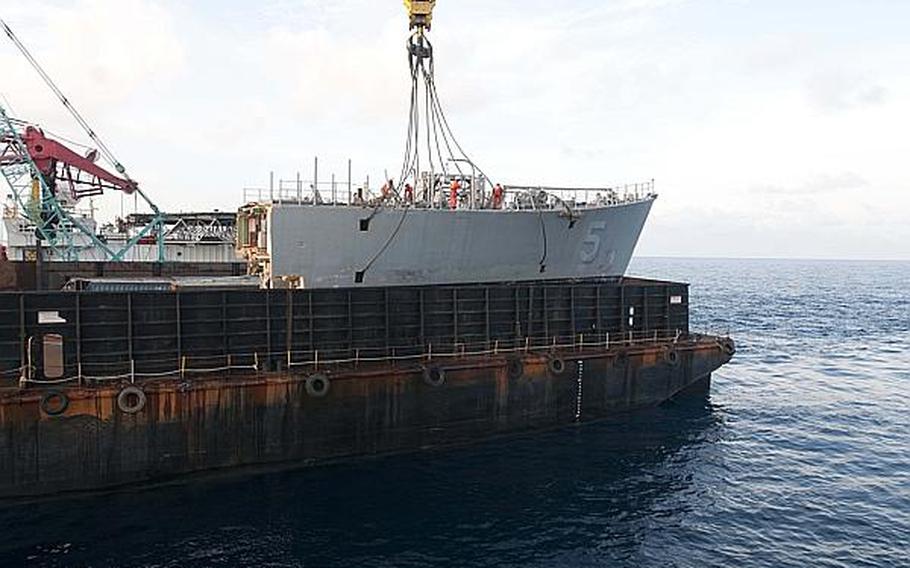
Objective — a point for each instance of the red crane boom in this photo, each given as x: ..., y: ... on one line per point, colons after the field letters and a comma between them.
x: 57, y: 164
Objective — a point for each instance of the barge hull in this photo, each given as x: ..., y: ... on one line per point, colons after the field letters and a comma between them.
x: 271, y: 418
x: 104, y: 389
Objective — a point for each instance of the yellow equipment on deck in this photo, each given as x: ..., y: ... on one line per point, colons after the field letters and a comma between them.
x: 421, y: 13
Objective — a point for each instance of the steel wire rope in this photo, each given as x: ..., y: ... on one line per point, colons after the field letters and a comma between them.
x: 543, y: 228
x: 388, y: 241
x: 433, y: 121
x: 411, y: 163
x: 445, y: 138
x: 413, y: 99
x: 415, y: 167
x: 435, y: 117
x: 442, y: 161
x: 445, y: 122
x: 407, y: 163
x: 23, y: 123
x: 426, y: 105
x: 545, y: 241
x: 413, y: 159
x: 407, y: 147
x: 437, y: 129
x: 436, y: 126
x: 438, y: 147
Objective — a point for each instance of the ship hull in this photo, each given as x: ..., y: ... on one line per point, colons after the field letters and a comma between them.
x: 330, y: 247
x: 272, y: 419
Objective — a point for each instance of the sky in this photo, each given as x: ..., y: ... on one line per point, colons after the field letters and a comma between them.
x: 772, y: 128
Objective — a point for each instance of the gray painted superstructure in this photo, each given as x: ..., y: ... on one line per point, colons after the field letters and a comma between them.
x: 316, y: 246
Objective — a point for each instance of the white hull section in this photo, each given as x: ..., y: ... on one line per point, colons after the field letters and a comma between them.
x: 19, y: 238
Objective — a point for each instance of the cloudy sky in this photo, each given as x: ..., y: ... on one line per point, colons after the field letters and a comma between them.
x: 773, y: 128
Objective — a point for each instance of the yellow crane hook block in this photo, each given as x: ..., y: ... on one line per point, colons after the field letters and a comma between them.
x: 421, y: 12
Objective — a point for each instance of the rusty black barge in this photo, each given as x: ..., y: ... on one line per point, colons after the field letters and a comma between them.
x: 106, y: 388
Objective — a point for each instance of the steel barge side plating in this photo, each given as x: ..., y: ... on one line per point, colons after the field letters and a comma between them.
x: 108, y: 389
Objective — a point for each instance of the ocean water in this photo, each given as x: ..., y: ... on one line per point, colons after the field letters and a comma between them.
x: 800, y: 456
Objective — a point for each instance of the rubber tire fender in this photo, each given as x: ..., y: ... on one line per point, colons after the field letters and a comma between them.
x: 515, y: 368
x: 123, y: 400
x: 671, y: 356
x: 313, y: 387
x: 434, y: 376
x: 556, y: 365
x: 728, y: 347
x: 47, y: 401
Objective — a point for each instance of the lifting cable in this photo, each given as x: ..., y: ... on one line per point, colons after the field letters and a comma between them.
x: 434, y: 132
x: 440, y: 142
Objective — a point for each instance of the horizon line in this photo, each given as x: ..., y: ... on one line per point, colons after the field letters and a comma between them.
x: 770, y: 258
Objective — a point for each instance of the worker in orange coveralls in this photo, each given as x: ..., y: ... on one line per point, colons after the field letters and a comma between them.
x: 453, y: 195
x: 387, y: 189
x: 497, y: 196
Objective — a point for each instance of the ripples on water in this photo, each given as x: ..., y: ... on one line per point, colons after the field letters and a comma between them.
x: 799, y: 457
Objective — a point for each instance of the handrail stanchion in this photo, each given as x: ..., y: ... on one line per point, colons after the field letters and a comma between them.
x: 315, y: 178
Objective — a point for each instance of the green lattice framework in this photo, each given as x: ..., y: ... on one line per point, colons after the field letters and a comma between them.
x: 54, y: 224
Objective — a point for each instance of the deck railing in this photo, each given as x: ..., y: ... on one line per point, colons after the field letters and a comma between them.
x: 337, y: 193
x: 531, y: 197
x: 583, y: 345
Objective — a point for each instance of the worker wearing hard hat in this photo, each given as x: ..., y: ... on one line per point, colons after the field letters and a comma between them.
x: 388, y: 189
x: 453, y: 194
x: 498, y: 194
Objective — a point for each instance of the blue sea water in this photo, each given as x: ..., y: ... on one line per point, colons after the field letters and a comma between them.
x: 800, y: 456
